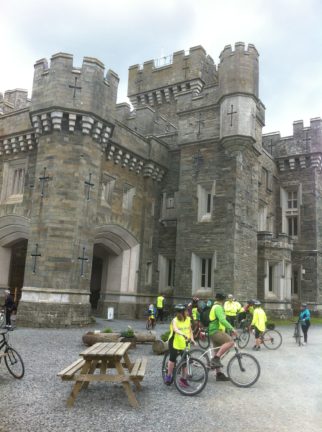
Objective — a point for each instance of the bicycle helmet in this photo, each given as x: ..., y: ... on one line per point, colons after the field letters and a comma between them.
x: 251, y: 301
x: 180, y: 308
x: 257, y: 303
x: 220, y: 296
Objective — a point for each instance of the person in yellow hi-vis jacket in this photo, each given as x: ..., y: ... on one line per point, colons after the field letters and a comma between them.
x: 232, y: 308
x: 180, y: 332
x: 160, y: 307
x: 258, y: 323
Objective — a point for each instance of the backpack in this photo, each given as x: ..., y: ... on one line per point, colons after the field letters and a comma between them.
x: 204, y: 312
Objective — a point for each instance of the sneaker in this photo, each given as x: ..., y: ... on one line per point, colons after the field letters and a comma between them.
x: 183, y: 383
x: 304, y: 343
x: 168, y: 380
x: 256, y: 348
x: 216, y: 363
x: 221, y: 377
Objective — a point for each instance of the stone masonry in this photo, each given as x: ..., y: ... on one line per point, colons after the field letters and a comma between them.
x: 106, y: 205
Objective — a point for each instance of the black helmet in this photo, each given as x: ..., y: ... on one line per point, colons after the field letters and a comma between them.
x: 220, y: 296
x: 257, y: 303
x: 180, y: 308
x: 251, y: 301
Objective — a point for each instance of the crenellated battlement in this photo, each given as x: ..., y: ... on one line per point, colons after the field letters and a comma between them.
x: 238, y: 70
x: 82, y: 88
x: 240, y: 47
x: 161, y: 80
x: 304, y: 141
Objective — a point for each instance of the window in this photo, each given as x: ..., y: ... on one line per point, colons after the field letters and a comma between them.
x: 171, y: 263
x: 270, y: 278
x: 170, y: 202
x: 148, y: 273
x: 295, y: 282
x: 292, y: 226
x: 128, y: 195
x: 206, y: 264
x: 262, y: 218
x: 108, y: 184
x: 13, y: 181
x: 292, y: 200
x: 205, y: 195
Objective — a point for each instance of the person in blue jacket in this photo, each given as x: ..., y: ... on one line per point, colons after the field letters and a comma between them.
x: 304, y: 318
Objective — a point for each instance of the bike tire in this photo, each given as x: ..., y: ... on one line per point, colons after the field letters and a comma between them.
x: 2, y: 319
x: 272, y: 339
x: 204, y: 341
x: 14, y: 363
x: 298, y: 335
x: 243, y: 339
x: 202, y: 355
x: 197, y: 377
x: 243, y: 370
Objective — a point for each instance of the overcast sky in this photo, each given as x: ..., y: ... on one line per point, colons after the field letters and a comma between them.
x: 287, y: 34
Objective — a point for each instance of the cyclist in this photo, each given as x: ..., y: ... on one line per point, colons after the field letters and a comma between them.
x: 232, y: 308
x: 10, y: 306
x: 258, y: 323
x: 151, y: 314
x: 160, y: 307
x: 217, y: 327
x: 180, y: 332
x: 194, y: 309
x: 304, y: 318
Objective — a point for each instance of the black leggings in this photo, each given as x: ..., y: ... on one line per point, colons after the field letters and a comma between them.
x: 8, y: 317
x: 305, y: 329
x: 173, y: 352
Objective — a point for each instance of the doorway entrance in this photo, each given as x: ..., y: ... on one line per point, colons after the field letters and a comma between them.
x: 17, y: 268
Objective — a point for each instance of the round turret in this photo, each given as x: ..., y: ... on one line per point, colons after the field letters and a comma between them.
x: 238, y: 70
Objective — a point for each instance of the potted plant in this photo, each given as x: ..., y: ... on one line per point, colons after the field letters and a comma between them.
x: 128, y: 336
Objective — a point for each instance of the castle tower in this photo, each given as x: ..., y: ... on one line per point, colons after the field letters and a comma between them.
x: 241, y: 121
x: 71, y: 112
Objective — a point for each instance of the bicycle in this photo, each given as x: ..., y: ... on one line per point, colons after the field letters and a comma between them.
x: 190, y: 368
x: 150, y: 323
x: 298, y: 333
x: 201, y: 335
x: 243, y: 369
x: 12, y: 358
x: 270, y: 338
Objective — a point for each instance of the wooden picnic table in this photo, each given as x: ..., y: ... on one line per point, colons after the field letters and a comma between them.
x: 105, y: 362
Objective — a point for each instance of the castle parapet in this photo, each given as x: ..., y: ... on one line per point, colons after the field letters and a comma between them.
x: 161, y: 80
x: 81, y: 89
x: 238, y: 70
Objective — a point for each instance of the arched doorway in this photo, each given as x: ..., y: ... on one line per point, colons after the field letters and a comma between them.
x: 114, y: 267
x: 14, y: 234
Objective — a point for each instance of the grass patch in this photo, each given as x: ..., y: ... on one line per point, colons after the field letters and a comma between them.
x: 280, y: 322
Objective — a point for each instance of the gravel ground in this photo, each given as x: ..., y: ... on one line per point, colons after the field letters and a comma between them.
x: 287, y: 396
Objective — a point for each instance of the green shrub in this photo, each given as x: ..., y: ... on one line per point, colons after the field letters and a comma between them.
x: 165, y: 336
x: 128, y: 333
x: 107, y: 330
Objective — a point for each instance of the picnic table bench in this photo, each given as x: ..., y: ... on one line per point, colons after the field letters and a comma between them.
x: 113, y: 364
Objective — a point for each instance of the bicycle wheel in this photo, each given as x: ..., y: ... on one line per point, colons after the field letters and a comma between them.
x: 243, y: 370
x: 204, y: 340
x: 14, y: 363
x: 243, y: 338
x: 201, y: 355
x: 190, y: 377
x: 272, y: 339
x: 298, y: 335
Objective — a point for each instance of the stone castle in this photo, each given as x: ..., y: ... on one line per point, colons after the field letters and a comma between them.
x: 105, y: 206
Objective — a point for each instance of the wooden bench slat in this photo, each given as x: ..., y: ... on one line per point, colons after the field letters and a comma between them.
x: 72, y: 368
x: 139, y: 367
